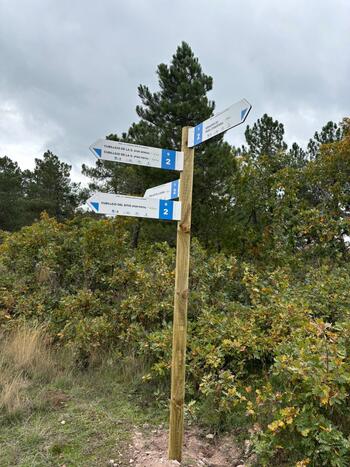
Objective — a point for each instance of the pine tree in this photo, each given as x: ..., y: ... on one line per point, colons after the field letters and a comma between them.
x: 265, y: 138
x: 50, y: 189
x: 11, y: 195
x: 255, y: 186
x: 296, y: 156
x: 330, y: 133
x: 180, y: 101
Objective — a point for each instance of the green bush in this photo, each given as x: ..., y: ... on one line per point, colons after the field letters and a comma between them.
x: 268, y: 346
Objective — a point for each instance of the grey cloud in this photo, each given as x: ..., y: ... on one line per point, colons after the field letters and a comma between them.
x: 72, y: 68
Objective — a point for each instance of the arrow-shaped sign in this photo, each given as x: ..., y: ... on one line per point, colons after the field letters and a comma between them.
x: 136, y: 154
x: 120, y: 205
x: 233, y: 116
x: 167, y: 191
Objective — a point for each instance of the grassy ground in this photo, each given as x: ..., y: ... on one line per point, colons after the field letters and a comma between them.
x: 66, y: 419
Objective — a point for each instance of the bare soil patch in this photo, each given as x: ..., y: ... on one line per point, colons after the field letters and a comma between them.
x: 149, y: 449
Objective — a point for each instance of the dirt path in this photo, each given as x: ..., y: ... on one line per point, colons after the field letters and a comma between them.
x: 149, y: 449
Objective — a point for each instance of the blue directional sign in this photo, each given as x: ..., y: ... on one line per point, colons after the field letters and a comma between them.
x: 233, y: 116
x: 169, y: 190
x: 136, y: 154
x: 118, y: 205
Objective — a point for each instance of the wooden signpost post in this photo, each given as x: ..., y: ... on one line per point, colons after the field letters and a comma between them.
x: 191, y: 137
x: 177, y: 399
x: 152, y: 207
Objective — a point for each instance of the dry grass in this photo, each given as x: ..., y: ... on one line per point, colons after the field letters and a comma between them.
x: 132, y: 367
x: 73, y: 417
x: 26, y: 350
x: 12, y: 397
x: 25, y: 357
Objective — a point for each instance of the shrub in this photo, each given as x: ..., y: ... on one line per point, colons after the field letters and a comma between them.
x: 305, y: 404
x: 267, y: 346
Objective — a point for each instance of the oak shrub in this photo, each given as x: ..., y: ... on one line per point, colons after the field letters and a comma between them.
x: 268, y: 345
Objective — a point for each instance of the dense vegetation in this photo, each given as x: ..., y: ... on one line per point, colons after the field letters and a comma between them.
x: 24, y: 194
x: 269, y: 329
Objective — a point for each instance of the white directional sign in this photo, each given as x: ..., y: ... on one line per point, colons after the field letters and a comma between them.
x: 120, y: 205
x: 233, y: 116
x: 167, y: 191
x: 115, y: 151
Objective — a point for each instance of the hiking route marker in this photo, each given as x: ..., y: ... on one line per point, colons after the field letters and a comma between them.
x: 134, y: 206
x: 169, y: 190
x: 136, y: 154
x: 157, y: 204
x: 233, y: 116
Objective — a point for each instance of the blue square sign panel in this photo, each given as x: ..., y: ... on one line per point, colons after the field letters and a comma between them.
x: 165, y: 209
x: 175, y: 189
x: 168, y: 159
x: 198, y: 133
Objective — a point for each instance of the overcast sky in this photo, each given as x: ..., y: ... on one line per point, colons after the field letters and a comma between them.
x: 69, y: 69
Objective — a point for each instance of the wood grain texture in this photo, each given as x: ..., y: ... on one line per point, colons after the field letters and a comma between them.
x: 176, y: 428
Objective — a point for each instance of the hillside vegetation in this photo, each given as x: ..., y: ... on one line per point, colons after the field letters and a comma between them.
x: 268, y: 346
x: 269, y: 305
